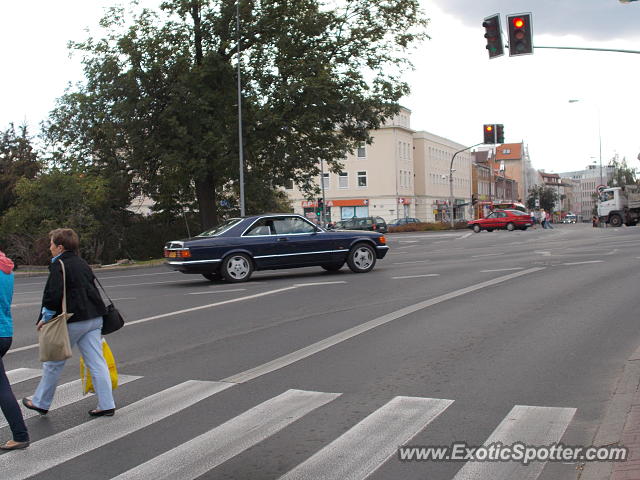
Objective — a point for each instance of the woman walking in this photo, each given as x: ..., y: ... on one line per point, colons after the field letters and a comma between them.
x: 85, y: 302
x: 8, y: 403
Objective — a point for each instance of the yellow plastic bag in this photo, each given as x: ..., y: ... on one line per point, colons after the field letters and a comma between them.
x: 85, y: 375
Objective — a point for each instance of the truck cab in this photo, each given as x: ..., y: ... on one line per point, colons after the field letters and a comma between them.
x: 618, y: 205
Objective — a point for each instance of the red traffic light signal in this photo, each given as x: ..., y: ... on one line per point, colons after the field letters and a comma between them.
x: 493, y: 34
x: 489, y: 134
x: 520, y: 34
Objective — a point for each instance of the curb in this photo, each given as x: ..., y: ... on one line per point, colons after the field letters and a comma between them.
x: 109, y: 268
x: 620, y: 426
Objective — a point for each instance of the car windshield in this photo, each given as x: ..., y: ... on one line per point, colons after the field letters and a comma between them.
x: 223, y: 227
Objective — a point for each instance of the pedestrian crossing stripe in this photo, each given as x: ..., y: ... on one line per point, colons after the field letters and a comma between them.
x: 370, y: 443
x: 218, y: 445
x: 22, y: 375
x: 67, y: 394
x: 68, y: 444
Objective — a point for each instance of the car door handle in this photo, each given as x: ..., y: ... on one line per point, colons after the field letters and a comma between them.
x: 283, y: 239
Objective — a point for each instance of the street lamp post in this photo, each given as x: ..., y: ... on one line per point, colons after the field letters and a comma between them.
x: 451, y: 170
x: 599, y: 138
x: 240, y: 150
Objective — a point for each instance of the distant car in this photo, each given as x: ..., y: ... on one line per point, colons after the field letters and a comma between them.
x: 570, y: 218
x: 403, y: 221
x: 375, y: 224
x: 502, y: 219
x: 239, y: 246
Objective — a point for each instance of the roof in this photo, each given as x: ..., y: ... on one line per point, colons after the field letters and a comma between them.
x: 509, y: 151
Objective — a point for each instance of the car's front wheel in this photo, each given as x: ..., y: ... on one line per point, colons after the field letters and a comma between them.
x: 237, y: 268
x: 361, y: 258
x: 476, y: 228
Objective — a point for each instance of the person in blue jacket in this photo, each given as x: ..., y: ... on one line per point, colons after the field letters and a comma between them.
x: 8, y: 402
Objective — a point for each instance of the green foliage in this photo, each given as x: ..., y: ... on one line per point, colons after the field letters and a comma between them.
x: 548, y: 197
x: 53, y: 200
x: 158, y: 110
x: 18, y: 159
x: 622, y: 173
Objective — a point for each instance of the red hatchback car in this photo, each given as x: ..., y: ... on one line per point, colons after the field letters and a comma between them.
x: 503, y: 219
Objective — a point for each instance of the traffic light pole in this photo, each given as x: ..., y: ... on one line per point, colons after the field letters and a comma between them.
x: 451, y: 182
x: 323, y: 213
x: 594, y: 49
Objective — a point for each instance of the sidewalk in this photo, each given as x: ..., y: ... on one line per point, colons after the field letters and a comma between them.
x: 620, y: 426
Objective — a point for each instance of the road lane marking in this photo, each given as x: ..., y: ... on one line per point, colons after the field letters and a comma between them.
x: 66, y: 394
x: 196, y: 457
x: 487, y: 255
x: 23, y: 374
x: 202, y: 307
x: 544, y: 253
x: 218, y: 291
x: 465, y: 236
x: 417, y: 276
x: 333, y: 340
x: 583, y: 263
x: 502, y: 269
x: 363, y: 448
x: 106, y: 278
x: 47, y: 453
x: 18, y: 305
x: 523, y: 424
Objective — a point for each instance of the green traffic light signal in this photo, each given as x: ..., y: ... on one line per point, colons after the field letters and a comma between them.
x: 493, y: 34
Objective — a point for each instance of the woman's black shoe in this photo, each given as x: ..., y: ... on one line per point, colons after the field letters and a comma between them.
x: 29, y: 404
x: 102, y: 413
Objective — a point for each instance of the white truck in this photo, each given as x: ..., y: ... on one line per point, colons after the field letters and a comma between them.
x: 618, y: 205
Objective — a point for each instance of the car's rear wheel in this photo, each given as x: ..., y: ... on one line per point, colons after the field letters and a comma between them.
x: 212, y: 277
x: 332, y: 267
x: 361, y: 258
x: 237, y: 268
x: 511, y: 227
x: 476, y: 228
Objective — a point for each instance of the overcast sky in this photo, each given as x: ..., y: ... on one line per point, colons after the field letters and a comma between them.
x: 455, y: 87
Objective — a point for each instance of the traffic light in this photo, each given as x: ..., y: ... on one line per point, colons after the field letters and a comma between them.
x: 520, y: 34
x: 320, y: 206
x: 493, y: 34
x: 489, y: 134
x: 499, y: 133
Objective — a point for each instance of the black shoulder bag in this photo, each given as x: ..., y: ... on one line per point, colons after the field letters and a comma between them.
x: 112, y: 320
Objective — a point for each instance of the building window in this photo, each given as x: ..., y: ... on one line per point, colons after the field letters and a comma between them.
x: 343, y: 180
x: 362, y: 179
x: 326, y: 181
x: 362, y: 152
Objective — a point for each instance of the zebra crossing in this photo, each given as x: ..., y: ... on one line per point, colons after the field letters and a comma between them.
x: 356, y: 454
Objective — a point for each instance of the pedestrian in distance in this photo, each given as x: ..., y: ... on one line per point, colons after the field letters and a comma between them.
x: 8, y: 403
x: 85, y: 302
x: 548, y: 220
x: 594, y: 221
x: 533, y: 219
x: 543, y: 218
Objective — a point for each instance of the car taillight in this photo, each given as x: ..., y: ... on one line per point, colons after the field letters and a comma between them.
x: 182, y: 253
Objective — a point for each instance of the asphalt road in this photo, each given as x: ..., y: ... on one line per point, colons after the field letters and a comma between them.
x: 453, y: 337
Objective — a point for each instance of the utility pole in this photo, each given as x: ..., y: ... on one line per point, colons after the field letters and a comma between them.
x: 240, y: 152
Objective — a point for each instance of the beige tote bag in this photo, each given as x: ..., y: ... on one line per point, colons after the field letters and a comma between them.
x: 53, y: 337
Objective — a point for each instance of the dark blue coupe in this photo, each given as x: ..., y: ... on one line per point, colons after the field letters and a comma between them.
x: 237, y: 247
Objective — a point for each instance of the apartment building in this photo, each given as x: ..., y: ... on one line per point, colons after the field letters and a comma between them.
x: 376, y: 180
x: 584, y: 187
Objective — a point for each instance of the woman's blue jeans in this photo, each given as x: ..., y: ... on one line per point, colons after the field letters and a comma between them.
x: 86, y: 334
x: 8, y: 403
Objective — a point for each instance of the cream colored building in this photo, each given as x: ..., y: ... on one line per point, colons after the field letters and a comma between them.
x: 376, y: 180
x: 403, y: 173
x: 433, y: 156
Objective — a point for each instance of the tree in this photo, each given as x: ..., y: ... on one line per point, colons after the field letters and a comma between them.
x: 622, y: 173
x: 52, y: 200
x: 159, y: 101
x: 18, y: 159
x: 547, y: 197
